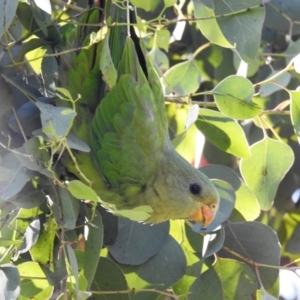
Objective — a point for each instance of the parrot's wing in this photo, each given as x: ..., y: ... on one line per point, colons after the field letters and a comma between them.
x: 128, y: 136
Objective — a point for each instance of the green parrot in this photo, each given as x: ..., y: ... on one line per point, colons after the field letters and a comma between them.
x: 137, y: 163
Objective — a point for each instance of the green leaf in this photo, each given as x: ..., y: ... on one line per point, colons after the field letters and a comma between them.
x: 292, y: 51
x: 183, y: 78
x: 279, y: 15
x: 159, y: 272
x: 29, y: 199
x: 33, y: 280
x: 137, y: 242
x: 270, y: 161
x: 206, y: 21
x: 159, y: 59
x: 65, y: 208
x: 188, y: 239
x: 194, y: 265
x: 74, y: 142
x: 245, y: 204
x: 236, y: 25
x: 227, y: 200
x: 262, y: 294
x: 243, y: 29
x: 147, y: 5
x: 49, y: 68
x: 257, y: 242
x: 107, y: 66
x: 109, y: 277
x: 73, y: 270
x: 64, y: 94
x: 56, y: 121
x: 81, y: 191
x: 7, y: 13
x: 227, y: 279
x: 13, y: 176
x: 295, y: 111
x: 233, y: 97
x: 93, y: 247
x: 169, y: 3
x: 162, y: 38
x: 34, y: 156
x: 276, y: 84
x: 42, y: 250
x: 225, y: 133
x: 293, y: 245
x: 10, y: 282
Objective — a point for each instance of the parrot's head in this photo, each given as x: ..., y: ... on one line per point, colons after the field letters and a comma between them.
x: 203, y: 195
x: 187, y: 192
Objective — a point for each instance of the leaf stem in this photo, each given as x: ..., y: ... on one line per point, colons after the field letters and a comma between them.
x: 134, y: 291
x: 288, y: 68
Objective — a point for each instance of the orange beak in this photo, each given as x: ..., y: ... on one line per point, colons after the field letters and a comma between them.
x: 205, y: 214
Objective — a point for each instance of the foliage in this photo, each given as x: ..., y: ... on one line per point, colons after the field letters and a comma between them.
x: 238, y: 62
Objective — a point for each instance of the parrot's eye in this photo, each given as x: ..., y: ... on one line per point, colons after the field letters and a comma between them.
x: 195, y: 188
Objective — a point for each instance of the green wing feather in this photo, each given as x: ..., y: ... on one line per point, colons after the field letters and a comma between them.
x: 127, y: 135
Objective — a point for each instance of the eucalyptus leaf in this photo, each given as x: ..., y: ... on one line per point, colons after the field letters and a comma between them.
x: 295, y: 112
x: 227, y: 279
x: 107, y: 66
x: 10, y: 282
x: 73, y: 269
x: 74, y: 142
x: 207, y: 23
x: 29, y: 117
x: 276, y: 84
x: 159, y: 272
x: 34, y: 156
x: 81, y: 191
x: 159, y: 59
x: 109, y: 277
x: 183, y: 78
x: 233, y: 96
x: 56, y: 121
x: 194, y: 266
x: 223, y: 132
x: 13, y: 176
x: 42, y: 250
x: 65, y: 208
x: 148, y: 5
x: 93, y: 247
x: 221, y: 23
x: 257, y: 242
x: 279, y: 14
x: 33, y: 280
x: 7, y: 13
x: 138, y: 242
x: 192, y: 115
x: 162, y: 39
x: 264, y: 170
x: 293, y: 245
